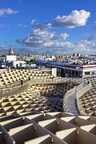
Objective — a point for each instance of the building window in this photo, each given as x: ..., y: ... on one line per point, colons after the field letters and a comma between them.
x: 87, y: 73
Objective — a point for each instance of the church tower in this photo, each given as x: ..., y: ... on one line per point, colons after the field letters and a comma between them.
x: 10, y: 52
x: 10, y: 57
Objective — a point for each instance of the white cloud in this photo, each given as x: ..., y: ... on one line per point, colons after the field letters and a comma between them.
x: 48, y: 42
x: 91, y: 38
x: 44, y: 26
x: 76, y: 18
x: 42, y: 38
x: 7, y: 11
x: 20, y: 25
x: 33, y: 21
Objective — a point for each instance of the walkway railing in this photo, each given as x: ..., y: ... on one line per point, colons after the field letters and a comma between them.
x: 71, y: 99
x: 79, y: 94
x: 13, y: 90
x: 69, y: 102
x: 5, y: 92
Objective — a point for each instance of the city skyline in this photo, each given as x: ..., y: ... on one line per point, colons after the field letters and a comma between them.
x: 48, y: 26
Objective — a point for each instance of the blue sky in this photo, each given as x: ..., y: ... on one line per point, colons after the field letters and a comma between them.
x: 48, y: 26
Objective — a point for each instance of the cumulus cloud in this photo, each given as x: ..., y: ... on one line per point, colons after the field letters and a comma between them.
x: 47, y: 42
x: 44, y: 26
x: 42, y: 38
x: 44, y: 41
x: 91, y: 38
x: 85, y: 47
x: 7, y: 11
x: 76, y: 18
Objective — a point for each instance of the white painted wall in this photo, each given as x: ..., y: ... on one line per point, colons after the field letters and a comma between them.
x: 54, y: 71
x: 10, y: 58
x: 18, y: 64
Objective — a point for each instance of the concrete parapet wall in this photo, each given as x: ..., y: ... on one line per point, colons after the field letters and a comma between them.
x: 65, y: 102
x: 83, y: 90
x: 79, y: 94
x: 13, y: 90
x: 73, y: 96
x: 70, y: 92
x: 79, y: 87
